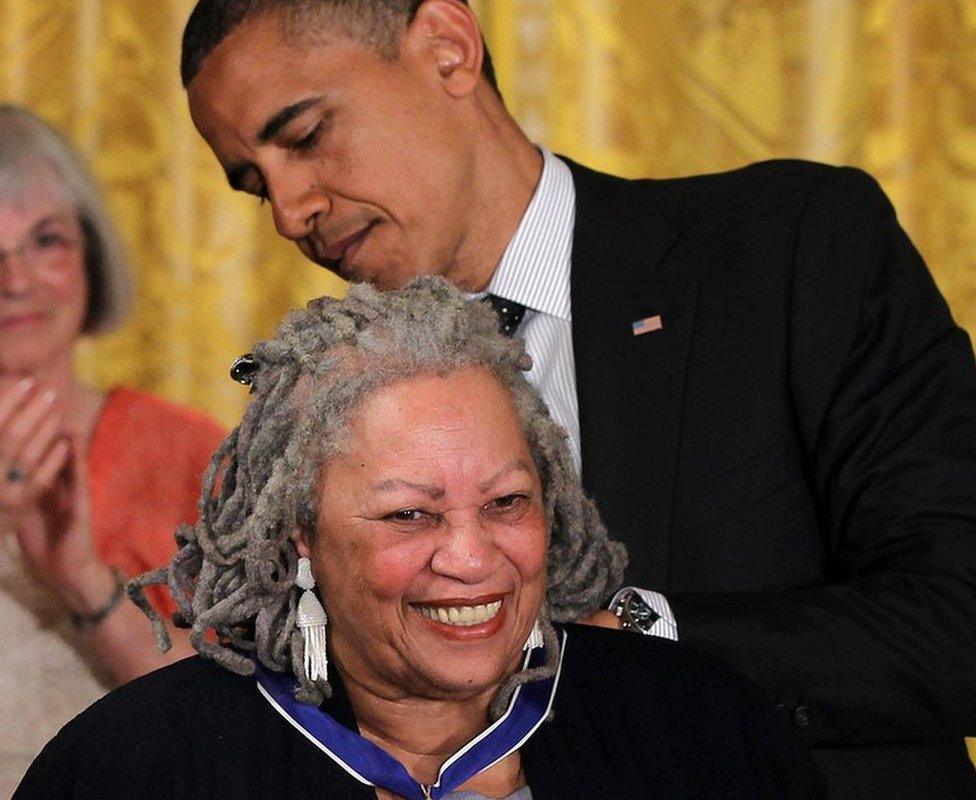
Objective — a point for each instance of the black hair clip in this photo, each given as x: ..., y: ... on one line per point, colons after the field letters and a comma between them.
x: 244, y: 368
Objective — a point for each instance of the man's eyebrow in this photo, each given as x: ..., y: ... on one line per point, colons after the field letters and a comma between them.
x: 511, y: 466
x: 274, y: 125
x: 389, y: 485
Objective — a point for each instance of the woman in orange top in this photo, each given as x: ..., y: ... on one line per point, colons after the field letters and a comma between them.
x: 92, y: 485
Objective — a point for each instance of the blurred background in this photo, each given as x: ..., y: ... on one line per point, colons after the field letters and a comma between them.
x: 636, y: 87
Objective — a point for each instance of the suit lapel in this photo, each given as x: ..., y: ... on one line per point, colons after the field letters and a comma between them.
x: 630, y: 388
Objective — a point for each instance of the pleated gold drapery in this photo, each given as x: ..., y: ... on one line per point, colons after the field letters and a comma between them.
x: 630, y: 86
x: 637, y: 88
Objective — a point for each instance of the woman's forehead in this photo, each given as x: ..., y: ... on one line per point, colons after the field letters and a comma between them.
x: 465, y: 409
x: 32, y: 191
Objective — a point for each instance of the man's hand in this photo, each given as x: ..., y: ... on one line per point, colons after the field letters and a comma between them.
x: 602, y: 619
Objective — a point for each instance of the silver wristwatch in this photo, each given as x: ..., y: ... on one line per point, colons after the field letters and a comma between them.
x: 633, y: 612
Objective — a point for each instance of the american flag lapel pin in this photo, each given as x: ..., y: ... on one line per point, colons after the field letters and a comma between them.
x: 647, y: 325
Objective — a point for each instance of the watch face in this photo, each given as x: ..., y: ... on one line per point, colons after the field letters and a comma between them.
x: 638, y: 614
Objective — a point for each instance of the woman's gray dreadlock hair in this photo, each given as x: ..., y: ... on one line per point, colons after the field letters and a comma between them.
x: 235, y: 570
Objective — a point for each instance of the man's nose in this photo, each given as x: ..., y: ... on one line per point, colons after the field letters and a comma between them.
x: 296, y: 204
x: 466, y: 550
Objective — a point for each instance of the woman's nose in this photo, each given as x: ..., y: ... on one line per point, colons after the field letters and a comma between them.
x: 465, y: 550
x: 16, y: 275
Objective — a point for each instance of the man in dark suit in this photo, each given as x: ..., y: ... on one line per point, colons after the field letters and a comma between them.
x: 770, y: 401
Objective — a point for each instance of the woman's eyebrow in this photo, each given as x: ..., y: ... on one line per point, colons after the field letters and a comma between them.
x: 513, y: 465
x: 392, y: 484
x: 52, y: 218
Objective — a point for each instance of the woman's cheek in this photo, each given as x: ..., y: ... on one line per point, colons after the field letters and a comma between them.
x: 68, y: 290
x: 396, y: 567
x: 527, y: 545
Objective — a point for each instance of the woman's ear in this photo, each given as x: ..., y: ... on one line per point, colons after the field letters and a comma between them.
x: 302, y: 542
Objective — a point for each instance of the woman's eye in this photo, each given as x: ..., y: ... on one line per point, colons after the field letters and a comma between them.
x: 406, y: 515
x: 45, y: 240
x: 508, y: 502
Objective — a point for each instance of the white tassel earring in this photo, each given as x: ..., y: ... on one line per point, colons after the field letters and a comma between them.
x: 312, y: 620
x: 535, y: 638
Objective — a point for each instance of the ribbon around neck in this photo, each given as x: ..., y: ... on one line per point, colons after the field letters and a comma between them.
x: 370, y: 764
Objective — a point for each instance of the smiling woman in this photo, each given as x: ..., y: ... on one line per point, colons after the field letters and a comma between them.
x: 404, y: 419
x: 392, y: 545
x: 84, y: 501
x: 431, y: 535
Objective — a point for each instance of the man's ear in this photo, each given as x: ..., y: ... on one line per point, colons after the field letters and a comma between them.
x: 302, y: 542
x: 445, y: 36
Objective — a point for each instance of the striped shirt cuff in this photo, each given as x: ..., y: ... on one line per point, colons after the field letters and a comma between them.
x: 667, y: 626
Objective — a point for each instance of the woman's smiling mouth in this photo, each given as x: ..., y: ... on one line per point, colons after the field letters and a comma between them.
x: 464, y: 616
x: 19, y: 322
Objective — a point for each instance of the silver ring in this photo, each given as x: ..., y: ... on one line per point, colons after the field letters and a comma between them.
x: 15, y: 474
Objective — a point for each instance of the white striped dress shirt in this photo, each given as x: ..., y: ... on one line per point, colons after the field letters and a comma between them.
x: 535, y: 271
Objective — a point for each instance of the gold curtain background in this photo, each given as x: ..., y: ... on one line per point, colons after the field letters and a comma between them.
x: 630, y: 86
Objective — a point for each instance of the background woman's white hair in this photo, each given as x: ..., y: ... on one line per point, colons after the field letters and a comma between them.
x: 35, y: 157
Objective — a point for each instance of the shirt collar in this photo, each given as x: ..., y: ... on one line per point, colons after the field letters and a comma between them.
x: 535, y: 268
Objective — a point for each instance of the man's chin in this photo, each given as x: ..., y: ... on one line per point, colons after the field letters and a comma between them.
x: 356, y: 274
x: 384, y: 278
x: 332, y: 265
x: 347, y: 272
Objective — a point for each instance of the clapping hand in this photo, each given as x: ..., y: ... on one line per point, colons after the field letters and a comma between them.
x: 44, y: 494
x: 33, y: 449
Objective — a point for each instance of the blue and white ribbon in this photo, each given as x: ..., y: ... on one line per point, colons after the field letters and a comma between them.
x: 372, y: 765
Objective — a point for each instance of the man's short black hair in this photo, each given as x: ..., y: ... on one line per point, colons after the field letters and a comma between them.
x: 377, y: 23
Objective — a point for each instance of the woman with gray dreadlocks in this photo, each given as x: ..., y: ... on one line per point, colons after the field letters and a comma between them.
x: 391, y: 545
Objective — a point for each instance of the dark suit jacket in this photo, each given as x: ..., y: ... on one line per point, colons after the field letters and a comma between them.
x: 792, y: 459
x: 695, y: 732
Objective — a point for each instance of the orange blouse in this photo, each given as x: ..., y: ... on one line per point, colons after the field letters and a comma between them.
x: 146, y: 462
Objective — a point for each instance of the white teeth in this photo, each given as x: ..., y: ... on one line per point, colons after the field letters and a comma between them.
x: 464, y: 616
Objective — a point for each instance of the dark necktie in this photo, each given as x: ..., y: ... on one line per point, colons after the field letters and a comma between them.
x: 509, y: 313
